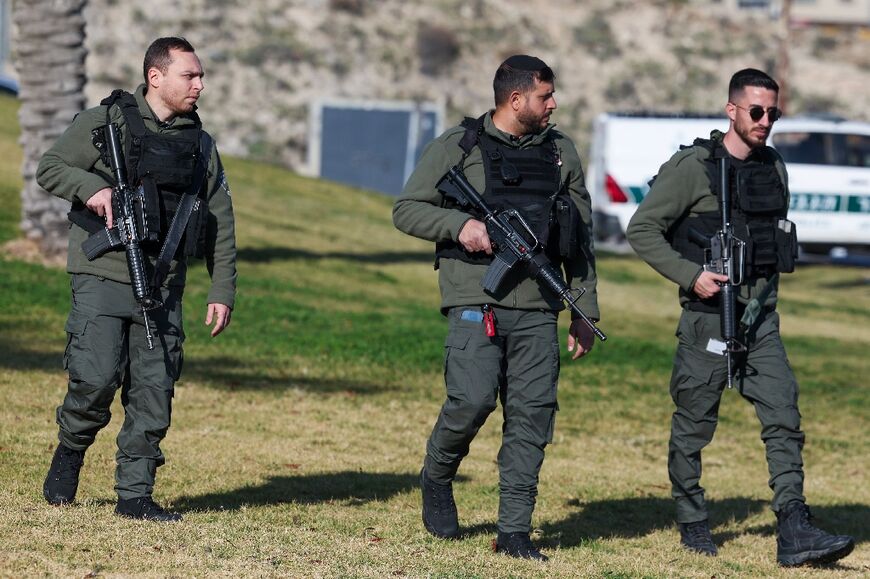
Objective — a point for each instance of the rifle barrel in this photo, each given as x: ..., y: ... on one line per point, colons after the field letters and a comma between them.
x: 728, y: 294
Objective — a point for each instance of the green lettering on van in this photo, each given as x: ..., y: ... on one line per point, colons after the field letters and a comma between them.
x: 815, y: 202
x: 859, y: 204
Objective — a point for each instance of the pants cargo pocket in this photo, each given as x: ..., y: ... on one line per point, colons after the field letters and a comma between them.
x: 556, y: 367
x: 75, y: 327
x: 174, y: 355
x: 551, y: 429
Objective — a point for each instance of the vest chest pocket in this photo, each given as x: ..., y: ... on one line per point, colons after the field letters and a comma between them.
x: 759, y: 190
x: 169, y: 161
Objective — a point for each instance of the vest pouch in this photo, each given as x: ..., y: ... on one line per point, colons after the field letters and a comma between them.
x: 762, y: 246
x: 760, y: 190
x: 535, y: 210
x: 169, y: 161
x: 568, y: 222
x: 194, y: 235
x: 152, y: 211
x: 786, y: 246
x: 168, y: 205
x: 690, y: 236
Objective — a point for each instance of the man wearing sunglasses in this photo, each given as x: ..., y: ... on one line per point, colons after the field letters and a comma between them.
x: 672, y: 230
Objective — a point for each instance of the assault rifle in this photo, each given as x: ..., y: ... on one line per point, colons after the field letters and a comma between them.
x: 512, y: 245
x: 725, y: 254
x: 128, y: 208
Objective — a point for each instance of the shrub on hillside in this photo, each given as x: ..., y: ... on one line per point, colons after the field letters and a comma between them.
x: 355, y: 7
x: 437, y: 48
x: 596, y: 36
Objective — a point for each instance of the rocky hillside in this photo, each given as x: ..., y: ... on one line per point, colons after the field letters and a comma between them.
x: 267, y: 61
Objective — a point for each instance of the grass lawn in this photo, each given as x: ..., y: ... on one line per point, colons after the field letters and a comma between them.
x: 298, y: 434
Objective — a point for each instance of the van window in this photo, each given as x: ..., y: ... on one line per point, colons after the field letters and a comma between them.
x: 824, y: 148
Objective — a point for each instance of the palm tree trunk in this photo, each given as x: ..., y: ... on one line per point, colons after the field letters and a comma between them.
x: 49, y: 54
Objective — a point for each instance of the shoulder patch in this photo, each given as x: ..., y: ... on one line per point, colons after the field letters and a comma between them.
x: 224, y: 184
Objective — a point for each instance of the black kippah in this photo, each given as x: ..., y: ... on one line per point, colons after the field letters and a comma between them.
x: 525, y: 62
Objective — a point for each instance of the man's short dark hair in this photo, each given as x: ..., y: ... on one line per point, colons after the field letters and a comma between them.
x: 519, y: 73
x: 750, y: 77
x: 157, y: 56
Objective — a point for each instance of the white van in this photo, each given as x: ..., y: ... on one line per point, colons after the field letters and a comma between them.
x: 828, y: 162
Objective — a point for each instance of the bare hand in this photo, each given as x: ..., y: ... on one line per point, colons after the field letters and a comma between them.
x: 708, y: 284
x: 580, y: 339
x: 221, y: 315
x: 101, y: 204
x: 473, y: 237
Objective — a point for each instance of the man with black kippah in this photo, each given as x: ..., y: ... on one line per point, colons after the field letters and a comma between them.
x: 502, y: 346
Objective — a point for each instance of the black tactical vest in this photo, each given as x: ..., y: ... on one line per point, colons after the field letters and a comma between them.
x: 164, y: 166
x: 528, y: 180
x: 758, y: 211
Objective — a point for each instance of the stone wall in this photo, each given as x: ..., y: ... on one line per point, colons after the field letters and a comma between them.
x: 266, y: 61
x: 50, y: 58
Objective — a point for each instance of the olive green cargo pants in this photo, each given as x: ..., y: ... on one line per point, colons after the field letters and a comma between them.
x: 764, y: 378
x: 107, y: 350
x: 519, y: 366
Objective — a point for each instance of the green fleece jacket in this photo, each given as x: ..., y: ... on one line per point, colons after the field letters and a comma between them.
x: 69, y: 169
x: 419, y: 212
x: 682, y: 187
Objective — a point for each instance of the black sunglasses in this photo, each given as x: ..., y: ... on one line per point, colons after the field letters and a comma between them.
x: 757, y: 111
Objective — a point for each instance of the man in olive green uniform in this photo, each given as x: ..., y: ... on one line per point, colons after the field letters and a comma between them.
x: 168, y: 153
x: 502, y: 347
x: 671, y: 230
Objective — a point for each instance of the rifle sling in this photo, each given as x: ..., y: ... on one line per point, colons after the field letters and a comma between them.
x: 755, y: 306
x: 183, y: 213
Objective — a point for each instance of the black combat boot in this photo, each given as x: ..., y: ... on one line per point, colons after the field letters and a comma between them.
x: 62, y: 482
x: 697, y: 537
x: 798, y: 542
x: 439, y: 508
x: 518, y: 545
x: 146, y: 509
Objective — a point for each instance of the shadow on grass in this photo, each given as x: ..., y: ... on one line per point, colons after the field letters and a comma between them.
x: 637, y: 517
x: 858, y: 281
x: 269, y: 254
x: 355, y: 488
x: 14, y: 357
x: 233, y: 374
x: 222, y: 373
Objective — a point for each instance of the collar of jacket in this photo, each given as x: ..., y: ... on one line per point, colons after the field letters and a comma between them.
x: 530, y: 140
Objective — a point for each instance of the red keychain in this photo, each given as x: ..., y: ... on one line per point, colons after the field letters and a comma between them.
x: 488, y: 320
